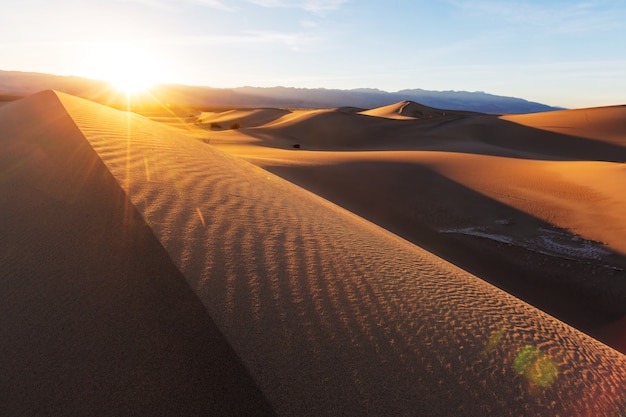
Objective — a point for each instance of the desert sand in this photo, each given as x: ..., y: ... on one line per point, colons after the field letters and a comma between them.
x: 96, y: 319
x: 147, y: 271
x: 538, y: 213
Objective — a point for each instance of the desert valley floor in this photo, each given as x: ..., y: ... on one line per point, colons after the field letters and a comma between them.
x: 398, y: 261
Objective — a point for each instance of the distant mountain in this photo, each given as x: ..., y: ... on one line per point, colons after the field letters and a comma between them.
x: 14, y: 83
x: 370, y: 98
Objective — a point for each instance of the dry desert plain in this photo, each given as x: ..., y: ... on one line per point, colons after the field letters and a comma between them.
x: 387, y: 262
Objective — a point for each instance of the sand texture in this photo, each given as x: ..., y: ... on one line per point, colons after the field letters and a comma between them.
x: 327, y: 313
x: 95, y: 319
x: 538, y: 213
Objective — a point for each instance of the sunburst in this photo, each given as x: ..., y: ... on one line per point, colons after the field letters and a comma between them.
x: 128, y: 68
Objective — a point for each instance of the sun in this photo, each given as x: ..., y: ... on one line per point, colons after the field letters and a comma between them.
x: 131, y: 81
x: 128, y: 68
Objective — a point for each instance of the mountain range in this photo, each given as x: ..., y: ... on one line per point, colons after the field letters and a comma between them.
x: 15, y: 83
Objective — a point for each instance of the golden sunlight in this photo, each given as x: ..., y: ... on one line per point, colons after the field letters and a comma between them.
x: 128, y: 68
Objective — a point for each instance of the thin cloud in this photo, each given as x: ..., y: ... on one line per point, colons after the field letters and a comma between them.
x: 292, y: 40
x: 170, y: 5
x: 318, y: 6
x: 214, y: 4
x: 314, y: 6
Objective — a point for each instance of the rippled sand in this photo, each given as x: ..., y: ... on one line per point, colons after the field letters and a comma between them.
x: 329, y: 313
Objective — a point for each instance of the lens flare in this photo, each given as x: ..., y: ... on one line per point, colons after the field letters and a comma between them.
x: 536, y: 366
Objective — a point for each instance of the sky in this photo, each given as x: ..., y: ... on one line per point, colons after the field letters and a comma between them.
x: 559, y: 52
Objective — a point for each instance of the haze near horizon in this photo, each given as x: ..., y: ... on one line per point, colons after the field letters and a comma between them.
x: 556, y: 52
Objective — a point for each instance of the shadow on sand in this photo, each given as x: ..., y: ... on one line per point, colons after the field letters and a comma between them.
x: 421, y: 205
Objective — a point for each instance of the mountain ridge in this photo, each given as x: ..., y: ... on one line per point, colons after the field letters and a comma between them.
x: 26, y: 83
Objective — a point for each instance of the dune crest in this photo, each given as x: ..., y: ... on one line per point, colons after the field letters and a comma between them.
x: 96, y: 319
x: 242, y: 118
x: 333, y: 315
x: 409, y: 110
x: 607, y: 124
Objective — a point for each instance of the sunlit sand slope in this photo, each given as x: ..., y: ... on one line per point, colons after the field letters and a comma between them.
x: 409, y: 110
x: 95, y: 319
x: 410, y: 126
x: 333, y: 315
x: 243, y: 117
x: 606, y: 124
x: 580, y: 196
x: 532, y: 227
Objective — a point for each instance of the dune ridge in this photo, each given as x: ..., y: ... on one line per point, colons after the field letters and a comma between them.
x: 606, y: 124
x: 95, y: 319
x: 483, y: 222
x: 536, y: 212
x: 243, y: 117
x: 333, y: 315
x: 410, y: 110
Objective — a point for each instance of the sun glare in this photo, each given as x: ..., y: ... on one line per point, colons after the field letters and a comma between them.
x: 128, y: 68
x: 130, y: 82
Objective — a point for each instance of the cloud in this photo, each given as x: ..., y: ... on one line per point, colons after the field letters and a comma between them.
x: 171, y: 5
x: 318, y: 6
x: 314, y: 6
x: 293, y: 41
x: 214, y: 4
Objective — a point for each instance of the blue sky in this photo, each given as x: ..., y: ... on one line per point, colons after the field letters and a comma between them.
x: 563, y: 53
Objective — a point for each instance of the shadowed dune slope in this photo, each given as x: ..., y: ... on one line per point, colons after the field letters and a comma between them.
x: 531, y: 227
x: 329, y: 128
x: 95, y: 319
x: 345, y: 129
x: 389, y: 128
x: 331, y: 314
x: 615, y: 333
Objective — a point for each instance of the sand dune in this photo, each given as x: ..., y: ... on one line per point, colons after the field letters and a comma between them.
x: 607, y: 124
x: 329, y: 313
x: 511, y: 203
x: 344, y: 129
x: 512, y: 221
x: 324, y: 128
x: 244, y: 118
x: 335, y: 129
x: 95, y: 318
x: 614, y: 333
x: 409, y: 110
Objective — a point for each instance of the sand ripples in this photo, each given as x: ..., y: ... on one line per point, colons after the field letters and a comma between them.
x: 331, y: 314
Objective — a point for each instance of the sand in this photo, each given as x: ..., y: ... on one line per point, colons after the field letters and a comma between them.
x: 242, y: 117
x: 526, y: 209
x: 96, y: 319
x: 606, y: 124
x: 329, y: 313
x: 409, y: 110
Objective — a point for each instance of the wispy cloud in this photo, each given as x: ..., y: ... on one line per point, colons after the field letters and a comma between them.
x: 292, y: 40
x: 318, y: 6
x: 314, y: 6
x: 214, y: 4
x: 171, y: 5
